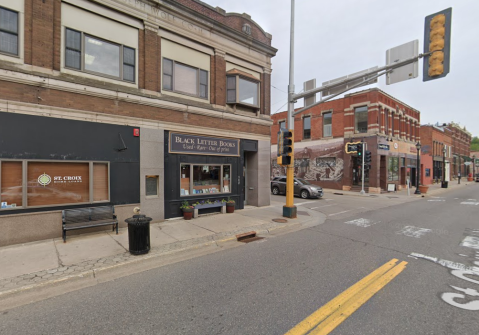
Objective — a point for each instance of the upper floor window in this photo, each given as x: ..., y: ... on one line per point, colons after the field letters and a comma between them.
x: 282, y: 124
x: 8, y: 31
x: 327, y: 124
x: 307, y: 127
x: 392, y: 123
x: 361, y: 119
x: 241, y: 90
x: 185, y: 79
x: 91, y: 54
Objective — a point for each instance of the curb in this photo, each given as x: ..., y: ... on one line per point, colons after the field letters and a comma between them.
x: 52, y: 287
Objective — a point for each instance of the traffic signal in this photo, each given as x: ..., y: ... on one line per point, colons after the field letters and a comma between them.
x: 437, y: 41
x: 367, y: 159
x: 359, y: 150
x: 285, y: 147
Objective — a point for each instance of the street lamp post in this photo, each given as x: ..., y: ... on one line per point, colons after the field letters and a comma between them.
x: 444, y: 183
x: 418, y: 167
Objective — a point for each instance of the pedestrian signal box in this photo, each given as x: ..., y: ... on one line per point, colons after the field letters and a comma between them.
x: 285, y: 147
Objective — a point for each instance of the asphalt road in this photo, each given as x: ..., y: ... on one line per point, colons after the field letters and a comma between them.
x: 268, y: 286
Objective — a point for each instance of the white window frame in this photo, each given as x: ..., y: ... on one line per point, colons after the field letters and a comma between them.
x: 330, y: 113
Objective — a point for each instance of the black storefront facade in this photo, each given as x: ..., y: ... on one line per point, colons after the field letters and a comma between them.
x: 50, y: 164
x: 200, y: 168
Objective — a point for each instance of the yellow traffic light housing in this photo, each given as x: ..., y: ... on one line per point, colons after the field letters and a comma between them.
x: 285, y: 147
x: 437, y: 40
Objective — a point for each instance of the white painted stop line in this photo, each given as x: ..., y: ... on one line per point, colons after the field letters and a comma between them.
x: 469, y: 203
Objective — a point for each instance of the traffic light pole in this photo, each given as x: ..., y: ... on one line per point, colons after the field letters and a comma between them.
x: 290, y: 210
x: 362, y: 169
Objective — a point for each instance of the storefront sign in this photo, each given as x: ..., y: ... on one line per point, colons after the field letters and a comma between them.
x: 202, y: 145
x: 383, y: 146
x: 352, y: 147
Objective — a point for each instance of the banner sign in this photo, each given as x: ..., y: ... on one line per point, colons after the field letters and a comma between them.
x: 202, y: 145
x: 383, y: 146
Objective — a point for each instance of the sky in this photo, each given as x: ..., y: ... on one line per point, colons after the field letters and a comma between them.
x: 337, y: 38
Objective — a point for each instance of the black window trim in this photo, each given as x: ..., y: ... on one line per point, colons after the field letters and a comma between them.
x: 198, y: 81
x: 17, y: 33
x: 82, y: 57
x: 237, y: 102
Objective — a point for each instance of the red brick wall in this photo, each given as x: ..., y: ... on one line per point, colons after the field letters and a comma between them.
x: 234, y: 21
x: 55, y: 98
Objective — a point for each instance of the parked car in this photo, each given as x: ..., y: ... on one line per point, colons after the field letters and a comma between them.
x: 477, y: 177
x: 302, y: 188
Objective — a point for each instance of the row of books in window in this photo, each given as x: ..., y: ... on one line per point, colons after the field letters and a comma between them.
x: 205, y: 182
x: 226, y: 189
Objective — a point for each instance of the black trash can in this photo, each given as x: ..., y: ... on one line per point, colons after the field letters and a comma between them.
x: 444, y: 184
x: 138, y: 234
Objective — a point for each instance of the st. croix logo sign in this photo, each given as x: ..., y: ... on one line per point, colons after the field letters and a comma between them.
x: 44, y: 179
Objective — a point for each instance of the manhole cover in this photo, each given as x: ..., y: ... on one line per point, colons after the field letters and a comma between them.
x: 303, y: 213
x: 280, y: 220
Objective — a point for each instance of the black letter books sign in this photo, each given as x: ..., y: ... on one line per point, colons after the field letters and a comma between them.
x: 202, y: 145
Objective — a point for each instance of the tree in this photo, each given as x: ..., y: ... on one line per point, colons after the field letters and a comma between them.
x: 475, y: 144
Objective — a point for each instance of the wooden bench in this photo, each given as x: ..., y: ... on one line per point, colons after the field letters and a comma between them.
x: 80, y: 218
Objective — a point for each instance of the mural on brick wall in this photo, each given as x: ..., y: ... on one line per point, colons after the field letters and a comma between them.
x: 318, y: 162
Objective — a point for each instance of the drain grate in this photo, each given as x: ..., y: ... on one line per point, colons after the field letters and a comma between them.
x: 251, y: 239
x: 280, y: 220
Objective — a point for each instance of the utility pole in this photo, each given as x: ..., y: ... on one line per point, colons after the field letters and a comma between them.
x: 290, y: 210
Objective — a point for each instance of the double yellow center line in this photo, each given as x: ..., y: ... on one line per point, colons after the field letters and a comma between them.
x: 328, y: 317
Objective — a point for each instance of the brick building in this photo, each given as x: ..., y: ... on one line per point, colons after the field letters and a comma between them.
x: 436, y: 142
x: 128, y: 102
x: 461, y: 149
x: 389, y: 127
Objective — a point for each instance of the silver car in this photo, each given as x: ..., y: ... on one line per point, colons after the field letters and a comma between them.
x: 302, y: 188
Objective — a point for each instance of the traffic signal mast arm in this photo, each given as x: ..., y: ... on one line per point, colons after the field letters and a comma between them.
x: 376, y: 73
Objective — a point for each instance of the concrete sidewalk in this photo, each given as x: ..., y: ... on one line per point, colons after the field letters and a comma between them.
x: 43, y: 265
x: 89, y: 259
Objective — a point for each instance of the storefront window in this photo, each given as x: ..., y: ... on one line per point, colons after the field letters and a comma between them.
x: 53, y: 183
x: 226, y: 178
x: 57, y: 183
x: 185, y: 180
x: 11, y: 179
x: 100, y: 182
x: 205, y: 179
x: 393, y: 169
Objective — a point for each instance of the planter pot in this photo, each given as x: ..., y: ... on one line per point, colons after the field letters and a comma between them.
x: 187, y: 213
x: 423, y: 189
x: 346, y: 188
x: 230, y: 208
x: 470, y: 179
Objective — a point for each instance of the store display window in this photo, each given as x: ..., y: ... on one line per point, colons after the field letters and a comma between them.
x: 204, y: 179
